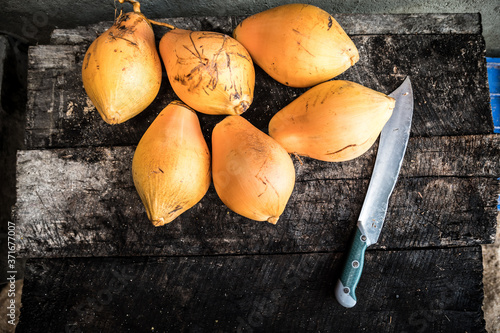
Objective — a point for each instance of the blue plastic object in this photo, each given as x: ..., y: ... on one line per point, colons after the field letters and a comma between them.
x: 493, y: 67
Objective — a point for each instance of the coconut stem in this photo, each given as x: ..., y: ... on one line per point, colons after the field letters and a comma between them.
x: 136, y: 4
x: 162, y: 24
x: 137, y: 9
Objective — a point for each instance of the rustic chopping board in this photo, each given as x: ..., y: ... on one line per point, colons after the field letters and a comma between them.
x: 96, y: 263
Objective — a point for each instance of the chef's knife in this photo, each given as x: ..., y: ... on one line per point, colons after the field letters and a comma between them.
x: 391, y: 150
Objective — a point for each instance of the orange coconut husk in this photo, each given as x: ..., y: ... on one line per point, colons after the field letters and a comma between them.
x: 171, y: 164
x: 121, y: 70
x: 333, y: 121
x: 299, y: 45
x: 252, y: 174
x: 209, y: 71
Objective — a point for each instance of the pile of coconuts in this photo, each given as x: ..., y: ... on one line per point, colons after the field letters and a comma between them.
x: 298, y: 45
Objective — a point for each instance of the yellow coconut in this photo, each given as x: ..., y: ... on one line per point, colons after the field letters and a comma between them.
x: 121, y: 70
x: 333, y: 121
x: 209, y: 71
x: 298, y: 45
x: 171, y: 164
x: 252, y: 174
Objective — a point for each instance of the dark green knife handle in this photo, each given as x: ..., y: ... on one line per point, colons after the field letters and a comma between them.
x: 346, y: 286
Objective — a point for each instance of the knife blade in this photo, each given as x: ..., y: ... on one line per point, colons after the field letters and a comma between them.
x: 391, y: 150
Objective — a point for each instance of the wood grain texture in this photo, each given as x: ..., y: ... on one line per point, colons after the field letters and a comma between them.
x: 436, y: 290
x: 82, y: 202
x: 353, y: 24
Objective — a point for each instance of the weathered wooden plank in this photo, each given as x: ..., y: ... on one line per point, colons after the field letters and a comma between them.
x: 353, y: 24
x: 453, y: 156
x: 82, y: 202
x: 407, y: 24
x: 86, y: 35
x: 114, y: 224
x: 437, y: 290
x: 55, y: 57
x: 447, y: 71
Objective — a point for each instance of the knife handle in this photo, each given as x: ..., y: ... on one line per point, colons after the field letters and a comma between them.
x: 351, y: 273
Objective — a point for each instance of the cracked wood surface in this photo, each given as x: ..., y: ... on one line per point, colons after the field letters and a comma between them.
x: 82, y: 202
x: 353, y: 24
x: 271, y: 293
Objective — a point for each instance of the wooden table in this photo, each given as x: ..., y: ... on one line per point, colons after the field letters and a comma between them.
x: 96, y: 264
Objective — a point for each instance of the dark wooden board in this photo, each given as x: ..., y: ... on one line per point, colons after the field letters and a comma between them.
x: 447, y: 72
x: 212, y: 270
x: 82, y: 202
x: 353, y: 24
x: 436, y: 290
